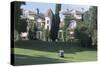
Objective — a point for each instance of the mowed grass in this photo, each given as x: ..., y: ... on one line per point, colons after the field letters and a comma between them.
x: 38, y: 52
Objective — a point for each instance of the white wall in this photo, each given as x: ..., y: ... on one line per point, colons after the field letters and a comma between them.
x: 47, y: 24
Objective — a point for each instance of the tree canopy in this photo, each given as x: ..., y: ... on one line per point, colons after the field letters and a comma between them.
x: 55, y: 23
x: 17, y: 14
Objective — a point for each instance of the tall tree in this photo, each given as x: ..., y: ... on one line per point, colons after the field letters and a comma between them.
x: 66, y: 23
x: 88, y: 28
x: 32, y: 30
x: 93, y: 27
x: 55, y: 23
x: 17, y: 14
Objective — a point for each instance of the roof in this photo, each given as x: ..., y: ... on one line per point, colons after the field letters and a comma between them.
x: 40, y: 15
x: 71, y: 12
x: 49, y: 13
x: 78, y: 12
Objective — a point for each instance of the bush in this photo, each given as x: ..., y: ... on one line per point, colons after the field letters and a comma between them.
x: 83, y: 35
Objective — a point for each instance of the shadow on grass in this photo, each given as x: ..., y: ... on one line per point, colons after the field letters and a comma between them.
x: 51, y: 46
x: 29, y: 60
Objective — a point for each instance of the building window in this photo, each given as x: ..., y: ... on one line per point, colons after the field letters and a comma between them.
x: 47, y: 21
x: 39, y: 24
x: 39, y: 34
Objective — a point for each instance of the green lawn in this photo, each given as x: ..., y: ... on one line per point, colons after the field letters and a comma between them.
x: 37, y: 52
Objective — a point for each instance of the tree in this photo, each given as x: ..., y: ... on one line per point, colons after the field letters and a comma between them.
x: 33, y: 27
x: 23, y: 25
x: 88, y: 28
x: 32, y: 30
x: 17, y: 14
x: 82, y: 34
x: 93, y: 27
x: 55, y: 23
x: 66, y: 23
x: 90, y: 18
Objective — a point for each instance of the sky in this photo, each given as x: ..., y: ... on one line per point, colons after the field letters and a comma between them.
x: 43, y: 7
